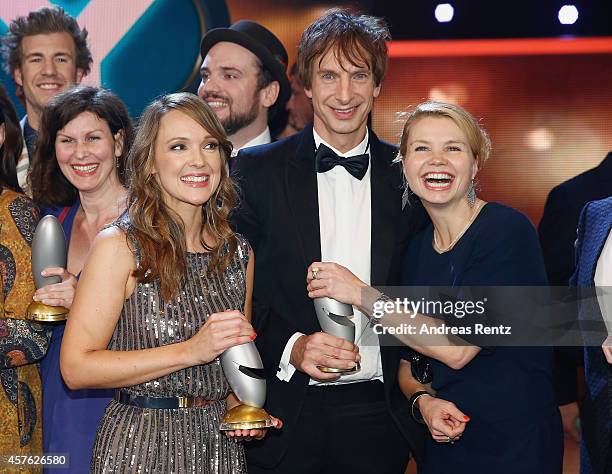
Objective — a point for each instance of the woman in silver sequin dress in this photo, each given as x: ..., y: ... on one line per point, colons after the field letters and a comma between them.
x: 165, y: 291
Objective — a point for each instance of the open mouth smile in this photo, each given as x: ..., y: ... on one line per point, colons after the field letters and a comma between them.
x: 50, y: 86
x: 344, y: 113
x: 438, y: 181
x: 85, y: 170
x: 196, y: 180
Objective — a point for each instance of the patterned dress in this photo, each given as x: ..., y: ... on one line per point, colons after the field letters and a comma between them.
x: 166, y: 441
x: 22, y: 343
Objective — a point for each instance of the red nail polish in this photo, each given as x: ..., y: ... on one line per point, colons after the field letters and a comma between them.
x: 253, y: 336
x: 466, y: 418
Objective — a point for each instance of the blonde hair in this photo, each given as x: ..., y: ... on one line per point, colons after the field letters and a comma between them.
x: 478, y: 139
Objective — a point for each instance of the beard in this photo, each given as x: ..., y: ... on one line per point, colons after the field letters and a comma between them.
x: 237, y: 121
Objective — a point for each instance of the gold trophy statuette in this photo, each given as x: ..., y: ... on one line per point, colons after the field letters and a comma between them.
x: 243, y: 368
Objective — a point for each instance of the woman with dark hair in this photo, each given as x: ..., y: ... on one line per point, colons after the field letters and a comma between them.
x: 165, y: 291
x: 22, y: 343
x: 78, y: 175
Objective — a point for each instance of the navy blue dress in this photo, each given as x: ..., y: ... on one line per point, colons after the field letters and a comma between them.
x: 70, y: 417
x: 515, y: 427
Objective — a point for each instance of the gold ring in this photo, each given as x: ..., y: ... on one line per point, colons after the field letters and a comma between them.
x: 314, y: 273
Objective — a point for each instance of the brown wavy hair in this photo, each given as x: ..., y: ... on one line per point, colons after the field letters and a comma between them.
x: 159, y: 231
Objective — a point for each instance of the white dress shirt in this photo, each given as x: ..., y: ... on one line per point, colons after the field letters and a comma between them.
x: 603, y: 280
x: 345, y: 221
x: 261, y: 139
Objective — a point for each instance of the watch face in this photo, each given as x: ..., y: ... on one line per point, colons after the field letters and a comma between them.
x: 421, y: 368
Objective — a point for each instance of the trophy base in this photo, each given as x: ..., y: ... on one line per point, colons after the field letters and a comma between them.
x: 43, y: 313
x: 245, y: 417
x: 333, y: 370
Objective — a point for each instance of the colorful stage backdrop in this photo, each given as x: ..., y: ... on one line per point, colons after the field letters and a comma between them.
x: 546, y: 103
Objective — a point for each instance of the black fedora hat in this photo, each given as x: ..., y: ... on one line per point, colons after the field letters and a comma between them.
x: 262, y: 43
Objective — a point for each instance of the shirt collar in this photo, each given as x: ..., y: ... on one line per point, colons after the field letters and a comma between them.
x: 261, y: 139
x: 360, y: 149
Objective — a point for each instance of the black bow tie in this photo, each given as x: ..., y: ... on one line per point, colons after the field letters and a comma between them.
x: 356, y: 165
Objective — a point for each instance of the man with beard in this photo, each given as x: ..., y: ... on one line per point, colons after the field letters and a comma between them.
x: 244, y: 80
x: 45, y: 53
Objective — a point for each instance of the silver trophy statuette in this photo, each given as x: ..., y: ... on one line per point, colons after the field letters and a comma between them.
x: 243, y: 368
x: 48, y: 250
x: 335, y: 319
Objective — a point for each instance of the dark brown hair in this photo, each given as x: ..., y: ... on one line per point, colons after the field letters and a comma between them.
x: 158, y: 230
x: 10, y: 150
x: 48, y: 183
x: 358, y: 39
x: 42, y: 22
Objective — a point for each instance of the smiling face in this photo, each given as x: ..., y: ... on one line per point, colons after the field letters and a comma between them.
x: 47, y: 68
x: 342, y: 96
x: 187, y: 161
x: 229, y: 85
x: 439, y: 165
x: 86, y: 151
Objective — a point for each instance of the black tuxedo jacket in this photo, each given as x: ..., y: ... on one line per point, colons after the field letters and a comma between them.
x: 279, y: 215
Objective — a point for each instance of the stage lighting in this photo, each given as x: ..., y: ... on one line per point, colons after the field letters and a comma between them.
x: 444, y: 12
x: 568, y: 14
x: 540, y: 139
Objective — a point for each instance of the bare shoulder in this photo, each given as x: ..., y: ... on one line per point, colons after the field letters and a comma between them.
x: 111, y: 246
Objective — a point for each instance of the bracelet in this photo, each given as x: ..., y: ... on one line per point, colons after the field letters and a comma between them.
x: 414, y: 411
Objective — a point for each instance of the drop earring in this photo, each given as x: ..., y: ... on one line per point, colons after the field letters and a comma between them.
x: 471, y: 194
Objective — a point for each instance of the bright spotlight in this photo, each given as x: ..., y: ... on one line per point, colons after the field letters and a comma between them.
x: 568, y: 14
x: 444, y: 12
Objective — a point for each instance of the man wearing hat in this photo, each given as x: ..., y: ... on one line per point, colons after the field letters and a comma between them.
x: 244, y: 80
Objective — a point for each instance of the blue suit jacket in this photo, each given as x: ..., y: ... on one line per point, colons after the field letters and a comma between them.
x: 596, y: 449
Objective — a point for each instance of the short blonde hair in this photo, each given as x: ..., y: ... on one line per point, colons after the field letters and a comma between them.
x: 478, y: 139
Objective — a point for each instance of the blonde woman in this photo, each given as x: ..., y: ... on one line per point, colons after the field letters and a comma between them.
x: 494, y: 409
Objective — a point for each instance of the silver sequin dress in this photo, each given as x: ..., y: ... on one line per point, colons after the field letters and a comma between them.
x: 136, y: 440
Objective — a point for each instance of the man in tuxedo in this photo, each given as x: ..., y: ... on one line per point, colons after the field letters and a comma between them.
x: 244, y: 80
x: 329, y: 193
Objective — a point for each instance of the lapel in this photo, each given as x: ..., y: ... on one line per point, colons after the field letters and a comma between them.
x: 302, y: 196
x: 386, y: 208
x: 595, y: 240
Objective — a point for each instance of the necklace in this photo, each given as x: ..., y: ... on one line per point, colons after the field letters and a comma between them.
x: 436, y: 246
